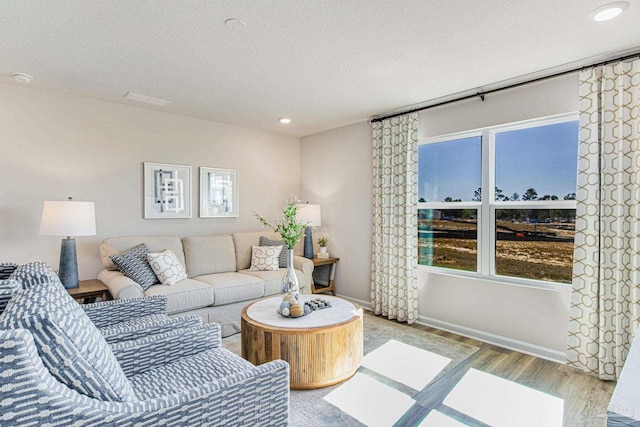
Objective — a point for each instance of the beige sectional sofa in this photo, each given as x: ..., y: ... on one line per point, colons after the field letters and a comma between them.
x: 219, y: 283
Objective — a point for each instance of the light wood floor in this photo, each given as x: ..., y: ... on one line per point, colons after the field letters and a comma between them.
x: 585, y: 397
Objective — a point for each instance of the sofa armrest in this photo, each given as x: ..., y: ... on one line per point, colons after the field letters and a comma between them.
x: 140, y: 355
x: 119, y: 285
x: 106, y: 313
x: 306, y: 266
x: 142, y: 327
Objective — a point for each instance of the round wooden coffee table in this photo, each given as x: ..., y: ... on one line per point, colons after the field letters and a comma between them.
x: 323, y: 348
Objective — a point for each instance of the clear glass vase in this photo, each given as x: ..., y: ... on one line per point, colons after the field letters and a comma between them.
x: 290, y: 284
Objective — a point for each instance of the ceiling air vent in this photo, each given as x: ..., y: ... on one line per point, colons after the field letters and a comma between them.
x: 147, y: 99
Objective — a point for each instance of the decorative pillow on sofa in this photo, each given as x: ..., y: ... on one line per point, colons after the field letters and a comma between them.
x: 282, y: 260
x: 167, y: 267
x: 135, y: 266
x: 265, y: 258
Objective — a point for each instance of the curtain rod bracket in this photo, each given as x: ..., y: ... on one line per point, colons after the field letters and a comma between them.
x: 481, y: 95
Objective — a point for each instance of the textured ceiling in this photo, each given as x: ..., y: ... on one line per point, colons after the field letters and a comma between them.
x: 324, y: 63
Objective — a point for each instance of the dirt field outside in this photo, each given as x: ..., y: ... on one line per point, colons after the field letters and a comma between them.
x: 533, y: 251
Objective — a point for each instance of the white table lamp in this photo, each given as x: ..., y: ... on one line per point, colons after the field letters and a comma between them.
x: 311, y: 215
x: 68, y: 219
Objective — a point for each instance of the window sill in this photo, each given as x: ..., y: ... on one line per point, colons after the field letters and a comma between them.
x: 506, y: 280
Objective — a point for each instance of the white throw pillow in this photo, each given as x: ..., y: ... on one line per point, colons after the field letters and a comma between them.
x: 265, y: 258
x: 167, y: 267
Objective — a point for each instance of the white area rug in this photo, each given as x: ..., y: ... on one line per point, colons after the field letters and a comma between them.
x: 399, y: 362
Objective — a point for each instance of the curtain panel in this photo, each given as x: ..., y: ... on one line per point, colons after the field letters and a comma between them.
x: 605, y: 302
x: 394, y: 288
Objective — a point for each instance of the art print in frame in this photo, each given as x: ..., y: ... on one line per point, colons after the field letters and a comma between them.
x: 167, y: 191
x: 218, y: 192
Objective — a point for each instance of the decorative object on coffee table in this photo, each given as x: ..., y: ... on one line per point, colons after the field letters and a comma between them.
x: 286, y: 309
x: 291, y: 231
x: 310, y: 215
x: 68, y: 218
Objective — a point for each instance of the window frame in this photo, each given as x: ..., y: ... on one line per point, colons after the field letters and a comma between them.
x: 486, y: 239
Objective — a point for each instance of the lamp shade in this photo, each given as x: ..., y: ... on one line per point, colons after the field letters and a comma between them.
x: 68, y: 218
x: 309, y: 214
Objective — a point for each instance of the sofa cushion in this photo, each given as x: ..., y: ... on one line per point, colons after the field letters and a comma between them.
x: 187, y: 373
x: 185, y: 295
x: 135, y: 266
x: 233, y: 287
x: 282, y: 259
x: 265, y: 258
x: 243, y: 243
x: 118, y: 245
x: 209, y: 255
x: 166, y: 267
x: 70, y: 345
x: 273, y: 279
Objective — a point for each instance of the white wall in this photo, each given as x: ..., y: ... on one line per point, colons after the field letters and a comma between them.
x: 53, y: 146
x: 336, y: 172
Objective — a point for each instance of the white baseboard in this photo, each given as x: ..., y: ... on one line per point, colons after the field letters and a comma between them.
x: 364, y: 304
x: 498, y: 340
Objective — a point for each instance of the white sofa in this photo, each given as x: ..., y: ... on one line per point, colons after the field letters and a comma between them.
x: 219, y: 283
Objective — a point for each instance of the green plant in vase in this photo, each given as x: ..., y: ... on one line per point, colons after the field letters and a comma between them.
x: 322, y: 242
x: 292, y: 231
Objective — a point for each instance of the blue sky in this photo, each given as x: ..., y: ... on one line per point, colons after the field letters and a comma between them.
x: 543, y: 157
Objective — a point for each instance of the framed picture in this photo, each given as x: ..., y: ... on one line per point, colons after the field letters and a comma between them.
x: 167, y: 191
x: 218, y: 192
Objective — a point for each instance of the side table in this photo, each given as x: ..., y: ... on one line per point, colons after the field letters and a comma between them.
x: 89, y: 290
x: 329, y: 286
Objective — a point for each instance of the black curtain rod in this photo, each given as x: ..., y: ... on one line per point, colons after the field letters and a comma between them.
x: 482, y: 94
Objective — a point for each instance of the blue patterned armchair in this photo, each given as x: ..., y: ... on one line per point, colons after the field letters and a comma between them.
x: 59, y: 369
x: 117, y: 320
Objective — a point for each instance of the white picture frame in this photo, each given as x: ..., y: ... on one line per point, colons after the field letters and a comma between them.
x: 218, y: 193
x: 167, y: 191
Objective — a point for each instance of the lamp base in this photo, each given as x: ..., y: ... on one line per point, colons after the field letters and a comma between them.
x: 308, y: 244
x: 68, y: 264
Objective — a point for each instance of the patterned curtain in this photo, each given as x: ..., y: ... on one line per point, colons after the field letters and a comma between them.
x: 605, y: 303
x: 394, y: 288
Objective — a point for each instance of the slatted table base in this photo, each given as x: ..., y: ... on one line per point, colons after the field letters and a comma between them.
x: 318, y: 357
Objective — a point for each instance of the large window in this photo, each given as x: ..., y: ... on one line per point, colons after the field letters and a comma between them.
x: 500, y: 201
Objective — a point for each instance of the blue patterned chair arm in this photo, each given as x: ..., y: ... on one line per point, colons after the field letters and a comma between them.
x: 142, y: 327
x: 140, y: 355
x: 31, y: 396
x: 109, y: 312
x: 7, y: 288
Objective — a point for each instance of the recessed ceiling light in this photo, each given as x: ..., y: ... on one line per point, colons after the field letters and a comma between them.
x: 235, y: 24
x: 284, y: 120
x: 22, y: 77
x: 608, y: 11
